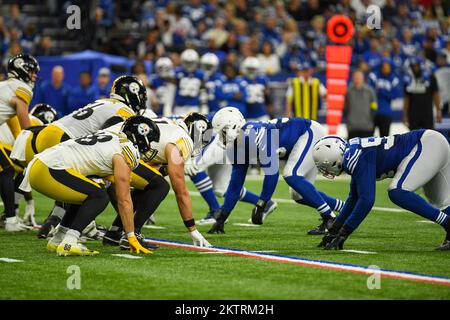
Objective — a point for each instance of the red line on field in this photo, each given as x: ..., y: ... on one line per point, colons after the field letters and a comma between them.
x: 400, y: 275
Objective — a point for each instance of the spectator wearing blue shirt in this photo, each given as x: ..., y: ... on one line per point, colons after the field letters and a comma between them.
x: 387, y: 87
x: 233, y: 94
x: 103, y: 86
x: 83, y: 94
x: 373, y: 55
x: 54, y: 92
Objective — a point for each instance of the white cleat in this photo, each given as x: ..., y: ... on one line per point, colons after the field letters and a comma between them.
x: 14, y: 225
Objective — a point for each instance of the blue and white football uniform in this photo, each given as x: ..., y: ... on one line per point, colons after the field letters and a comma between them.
x: 164, y: 91
x: 255, y: 100
x: 420, y: 158
x: 213, y: 86
x: 280, y: 142
x: 187, y: 97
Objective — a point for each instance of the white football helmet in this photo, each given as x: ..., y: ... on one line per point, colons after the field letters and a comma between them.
x: 209, y: 63
x: 189, y: 60
x: 328, y: 154
x: 228, y: 122
x: 164, y: 67
x: 250, y: 67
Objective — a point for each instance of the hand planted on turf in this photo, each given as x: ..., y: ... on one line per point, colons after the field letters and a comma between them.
x: 337, y: 243
x: 327, y: 239
x: 219, y: 225
x: 136, y: 246
x: 199, y: 240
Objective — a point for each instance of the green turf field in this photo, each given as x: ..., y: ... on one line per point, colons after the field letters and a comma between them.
x: 399, y: 240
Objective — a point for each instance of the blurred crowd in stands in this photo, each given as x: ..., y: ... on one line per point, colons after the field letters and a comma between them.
x: 282, y: 35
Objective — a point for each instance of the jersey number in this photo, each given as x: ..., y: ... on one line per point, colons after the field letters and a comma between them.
x: 189, y: 87
x: 388, y: 142
x: 86, y: 111
x: 92, y: 139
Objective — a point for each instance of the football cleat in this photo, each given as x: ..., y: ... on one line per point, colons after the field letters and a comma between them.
x: 112, y: 237
x: 445, y: 246
x: 268, y: 209
x: 52, y: 246
x: 322, y: 228
x: 209, y: 219
x: 69, y: 249
x: 15, y: 225
x: 91, y: 232
x: 49, y: 224
x: 124, y: 245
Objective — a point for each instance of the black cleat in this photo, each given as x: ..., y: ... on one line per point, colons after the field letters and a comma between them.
x: 322, y: 228
x: 445, y: 246
x: 112, y: 238
x: 49, y: 224
x: 124, y: 245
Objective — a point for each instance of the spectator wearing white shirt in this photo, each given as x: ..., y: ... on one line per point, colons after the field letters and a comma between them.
x: 269, y: 62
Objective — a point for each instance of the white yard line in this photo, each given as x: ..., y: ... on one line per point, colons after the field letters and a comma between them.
x: 146, y: 226
x: 359, y: 251
x: 126, y: 256
x: 247, y: 225
x: 282, y: 200
x: 10, y: 260
x: 425, y: 221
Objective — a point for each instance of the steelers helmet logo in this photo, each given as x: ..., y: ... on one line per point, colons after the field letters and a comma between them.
x: 143, y: 129
x: 49, y: 116
x: 18, y: 63
x: 134, y: 87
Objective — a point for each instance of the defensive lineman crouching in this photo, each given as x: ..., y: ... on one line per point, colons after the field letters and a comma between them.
x: 418, y: 159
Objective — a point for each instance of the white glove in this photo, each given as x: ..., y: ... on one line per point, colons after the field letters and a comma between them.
x: 199, y: 240
x: 191, y: 169
x: 29, y: 214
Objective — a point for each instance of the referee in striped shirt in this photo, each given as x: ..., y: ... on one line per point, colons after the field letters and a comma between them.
x: 304, y: 94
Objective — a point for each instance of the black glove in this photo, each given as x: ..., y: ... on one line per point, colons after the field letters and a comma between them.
x: 164, y: 170
x: 218, y: 227
x: 258, y: 212
x: 338, y: 242
x: 331, y: 234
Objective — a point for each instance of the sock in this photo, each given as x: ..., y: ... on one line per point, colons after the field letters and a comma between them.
x: 58, y: 210
x: 248, y: 196
x: 148, y: 200
x: 310, y: 196
x: 94, y: 204
x: 71, y: 236
x: 205, y: 186
x: 59, y: 235
x: 335, y: 204
x: 7, y: 191
x: 413, y: 202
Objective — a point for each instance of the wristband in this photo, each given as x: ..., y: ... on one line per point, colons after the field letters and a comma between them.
x: 189, y: 223
x: 130, y: 234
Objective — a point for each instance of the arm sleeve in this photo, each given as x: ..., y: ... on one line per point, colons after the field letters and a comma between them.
x: 269, y: 183
x: 349, y: 203
x: 234, y: 188
x: 364, y: 178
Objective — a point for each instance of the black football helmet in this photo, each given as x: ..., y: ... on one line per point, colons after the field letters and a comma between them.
x: 142, y: 131
x: 199, y: 129
x: 44, y: 112
x: 131, y: 91
x: 20, y: 67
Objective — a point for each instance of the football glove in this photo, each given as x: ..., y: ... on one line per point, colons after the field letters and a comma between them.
x: 199, y: 240
x: 258, y: 212
x: 136, y: 246
x: 331, y: 234
x: 218, y: 227
x: 191, y: 169
x: 338, y: 242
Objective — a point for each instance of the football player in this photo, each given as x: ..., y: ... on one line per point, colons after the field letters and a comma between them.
x: 62, y: 173
x: 6, y: 144
x: 189, y: 82
x: 174, y: 148
x: 163, y: 87
x: 420, y: 158
x: 213, y: 81
x: 287, y: 141
x: 128, y: 97
x: 211, y: 171
x: 15, y: 96
x: 257, y: 104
